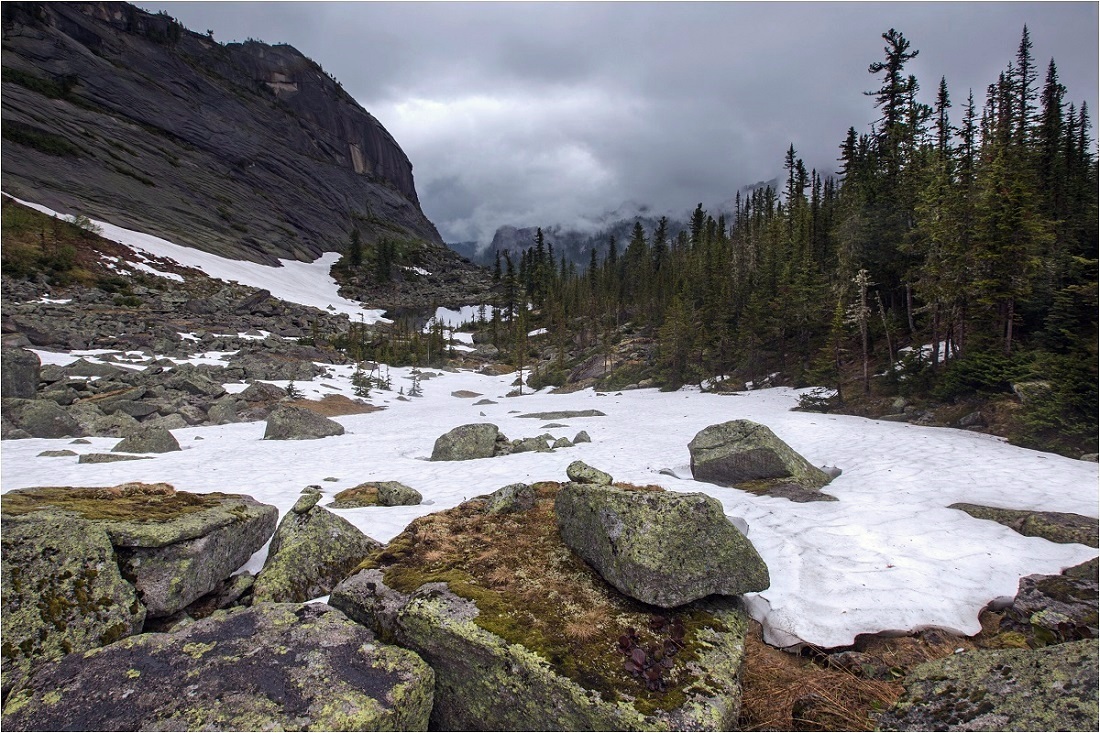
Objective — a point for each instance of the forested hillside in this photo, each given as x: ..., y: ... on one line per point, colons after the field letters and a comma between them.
x: 969, y: 228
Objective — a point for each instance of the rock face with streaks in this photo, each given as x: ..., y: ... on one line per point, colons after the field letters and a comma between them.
x: 100, y: 117
x: 270, y: 667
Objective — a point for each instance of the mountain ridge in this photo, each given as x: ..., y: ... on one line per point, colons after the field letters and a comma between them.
x: 246, y: 150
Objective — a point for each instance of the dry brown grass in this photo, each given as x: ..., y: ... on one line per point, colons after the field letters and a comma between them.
x: 783, y: 691
x: 334, y: 405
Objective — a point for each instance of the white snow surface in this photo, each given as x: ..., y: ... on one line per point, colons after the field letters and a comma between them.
x: 305, y: 283
x: 889, y: 556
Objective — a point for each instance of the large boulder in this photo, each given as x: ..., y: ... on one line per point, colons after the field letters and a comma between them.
x: 1053, y: 688
x: 312, y: 551
x: 289, y: 422
x: 522, y: 635
x: 173, y: 546
x: 62, y: 591
x: 147, y: 440
x: 41, y: 418
x: 663, y: 548
x: 19, y: 373
x: 745, y: 454
x: 467, y: 442
x: 377, y: 493
x: 270, y: 667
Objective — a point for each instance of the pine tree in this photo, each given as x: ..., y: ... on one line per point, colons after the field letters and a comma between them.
x: 355, y: 250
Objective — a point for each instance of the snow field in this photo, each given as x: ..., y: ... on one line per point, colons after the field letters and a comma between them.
x: 887, y: 557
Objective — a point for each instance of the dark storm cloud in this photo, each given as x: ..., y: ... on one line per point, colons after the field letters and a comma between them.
x: 542, y: 113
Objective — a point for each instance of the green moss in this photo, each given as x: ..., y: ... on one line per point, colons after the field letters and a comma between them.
x: 531, y: 590
x: 131, y: 502
x: 357, y: 496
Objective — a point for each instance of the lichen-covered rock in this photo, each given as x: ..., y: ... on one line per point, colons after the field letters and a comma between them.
x: 1054, y: 688
x: 62, y: 592
x: 19, y: 373
x: 530, y: 445
x: 288, y: 422
x: 377, y: 493
x: 40, y: 418
x: 564, y: 414
x: 581, y: 473
x: 270, y: 667
x: 663, y: 548
x: 262, y: 392
x: 110, y: 458
x: 742, y: 452
x: 485, y: 683
x: 364, y: 597
x: 511, y: 498
x: 1061, y: 527
x: 467, y: 442
x: 1049, y: 609
x: 309, y: 554
x: 174, y: 546
x: 148, y: 440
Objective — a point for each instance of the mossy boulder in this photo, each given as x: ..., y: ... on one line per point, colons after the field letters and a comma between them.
x: 270, y: 667
x: 310, y: 553
x: 523, y: 635
x: 663, y: 548
x: 1060, y: 527
x: 289, y: 422
x: 174, y: 546
x: 377, y: 493
x: 581, y: 473
x: 1054, y: 688
x: 745, y: 454
x: 147, y: 440
x: 468, y: 442
x: 62, y: 591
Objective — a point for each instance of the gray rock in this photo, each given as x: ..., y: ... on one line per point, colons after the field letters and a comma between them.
x: 40, y: 418
x: 366, y: 599
x: 84, y: 368
x: 511, y: 498
x: 395, y: 493
x: 223, y: 411
x: 1061, y: 527
x: 269, y: 667
x: 62, y: 592
x: 56, y: 454
x: 467, y: 442
x: 306, y: 501
x: 1053, y: 688
x: 19, y: 373
x: 1033, y: 391
x: 530, y: 445
x: 562, y: 443
x: 581, y: 473
x: 262, y: 392
x: 110, y: 458
x: 93, y: 421
x: 564, y: 414
x: 742, y: 452
x: 1050, y: 609
x: 309, y: 554
x: 582, y: 437
x: 288, y: 422
x: 1091, y: 457
x: 148, y: 440
x: 662, y: 548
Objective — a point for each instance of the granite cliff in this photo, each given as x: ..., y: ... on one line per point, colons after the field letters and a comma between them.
x: 246, y: 150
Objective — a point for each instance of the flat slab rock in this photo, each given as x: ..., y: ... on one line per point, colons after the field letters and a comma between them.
x: 270, y: 667
x: 1054, y: 688
x: 1061, y: 527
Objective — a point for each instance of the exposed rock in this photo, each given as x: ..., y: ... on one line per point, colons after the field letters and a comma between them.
x: 377, y: 493
x: 1054, y: 688
x: 511, y: 498
x: 581, y: 473
x: 270, y: 667
x: 19, y: 373
x: 530, y: 445
x: 57, y: 454
x: 309, y: 554
x: 262, y: 392
x: 62, y: 591
x: 748, y: 455
x: 1033, y: 391
x: 562, y: 443
x: 289, y: 422
x: 148, y: 440
x: 228, y: 593
x: 1061, y: 527
x: 40, y: 418
x: 110, y: 458
x: 93, y: 421
x: 309, y: 498
x: 1050, y: 609
x: 465, y: 394
x: 467, y: 442
x: 663, y: 548
x: 582, y: 437
x: 564, y: 414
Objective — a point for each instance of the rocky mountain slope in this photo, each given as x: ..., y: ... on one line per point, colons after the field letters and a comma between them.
x: 246, y: 150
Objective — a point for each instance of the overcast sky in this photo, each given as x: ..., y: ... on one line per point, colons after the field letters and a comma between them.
x: 545, y: 113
